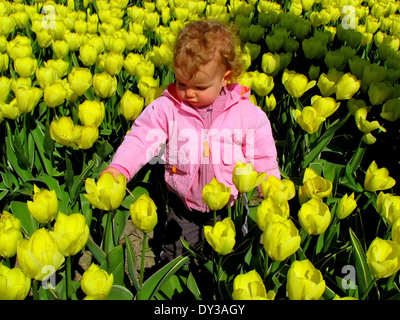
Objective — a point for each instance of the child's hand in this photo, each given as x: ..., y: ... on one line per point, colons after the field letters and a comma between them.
x: 113, y: 171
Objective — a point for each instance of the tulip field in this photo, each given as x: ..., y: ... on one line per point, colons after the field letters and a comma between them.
x: 74, y: 76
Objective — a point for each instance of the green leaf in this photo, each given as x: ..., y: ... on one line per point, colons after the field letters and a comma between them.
x: 20, y: 210
x: 120, y: 293
x: 192, y: 286
x: 98, y: 254
x: 153, y: 284
x: 115, y: 264
x: 363, y: 274
x: 323, y: 142
x: 132, y: 265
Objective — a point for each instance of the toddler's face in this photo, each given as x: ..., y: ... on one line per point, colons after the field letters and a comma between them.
x: 205, y: 86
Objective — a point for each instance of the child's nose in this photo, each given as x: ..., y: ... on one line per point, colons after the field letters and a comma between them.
x: 190, y: 93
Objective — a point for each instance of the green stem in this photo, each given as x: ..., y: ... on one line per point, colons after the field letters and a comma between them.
x: 68, y: 278
x: 364, y: 296
x: 142, y: 260
x: 109, y: 236
x: 266, y: 267
x: 215, y: 217
x: 35, y: 290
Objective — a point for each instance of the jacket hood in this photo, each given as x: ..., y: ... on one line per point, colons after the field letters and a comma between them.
x: 235, y: 92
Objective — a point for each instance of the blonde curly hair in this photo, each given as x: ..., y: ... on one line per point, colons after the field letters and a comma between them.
x: 199, y: 42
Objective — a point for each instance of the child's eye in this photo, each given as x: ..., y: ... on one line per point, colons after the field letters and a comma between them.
x: 201, y: 88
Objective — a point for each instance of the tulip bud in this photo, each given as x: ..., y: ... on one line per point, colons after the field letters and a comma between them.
x: 346, y: 205
x: 9, y: 111
x: 38, y: 253
x: 250, y: 286
x: 65, y: 132
x: 80, y: 79
x: 314, y: 48
x: 270, y: 102
x: 88, y: 137
x: 325, y: 106
x: 131, y: 61
x: 96, y: 282
x: 60, y: 48
x: 19, y: 47
x: 221, y: 237
x: 25, y: 66
x: 44, y: 206
x: 377, y: 178
x: 314, y: 216
x: 388, y: 207
x: 216, y: 195
x: 104, y: 85
x: 88, y: 54
x: 391, y: 110
x: 14, y: 285
x: 46, y: 76
x: 245, y: 178
x: 270, y: 63
x: 108, y: 193
x: 327, y: 82
x: 71, y: 233
x: 383, y: 258
x: 5, y: 87
x: 10, y: 234
x: 304, y: 281
x: 380, y: 92
x: 131, y: 105
x: 91, y: 113
x: 281, y: 239
x: 113, y: 62
x: 281, y: 190
x: 144, y: 213
x: 27, y: 98
x: 55, y: 94
x: 4, y: 60
x: 296, y: 84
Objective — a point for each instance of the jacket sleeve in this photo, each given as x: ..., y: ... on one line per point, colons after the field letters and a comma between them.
x: 260, y: 146
x: 144, y: 141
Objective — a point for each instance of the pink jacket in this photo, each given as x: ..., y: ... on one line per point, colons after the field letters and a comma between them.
x: 197, y: 144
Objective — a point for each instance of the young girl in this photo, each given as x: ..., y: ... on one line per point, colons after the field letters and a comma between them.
x: 206, y: 124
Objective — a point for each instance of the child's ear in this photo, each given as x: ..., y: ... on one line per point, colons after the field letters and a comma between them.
x: 227, y: 77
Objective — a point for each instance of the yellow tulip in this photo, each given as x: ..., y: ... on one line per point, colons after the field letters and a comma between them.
x: 46, y: 76
x: 25, y: 66
x: 71, y: 233
x: 65, y: 132
x: 80, y: 80
x: 4, y: 60
x: 245, y: 177
x: 314, y: 216
x: 44, y: 38
x: 19, y: 47
x: 60, y: 49
x: 27, y: 98
x: 113, y: 63
x: 383, y: 258
x: 345, y: 206
x: 296, y: 83
x: 377, y: 178
x: 308, y: 119
x: 14, y: 284
x: 388, y: 207
x: 261, y: 83
x: 91, y: 112
x: 281, y: 239
x: 249, y: 286
x: 104, y: 85
x: 270, y: 211
x: 88, y: 54
x: 325, y: 106
x: 143, y: 213
x: 314, y: 186
x: 9, y: 111
x: 281, y: 190
x: 270, y: 63
x: 37, y: 254
x: 96, y: 282
x: 216, y: 195
x: 44, y: 206
x: 55, y: 94
x: 221, y: 237
x: 10, y: 234
x: 363, y: 124
x: 327, y: 82
x: 131, y: 61
x: 395, y: 233
x: 89, y: 135
x: 108, y: 193
x: 347, y: 86
x: 131, y: 105
x: 304, y: 281
x: 270, y: 102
